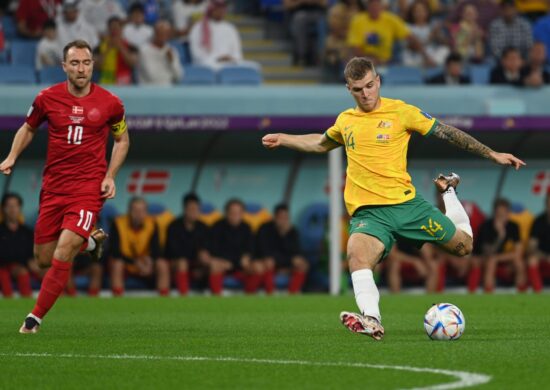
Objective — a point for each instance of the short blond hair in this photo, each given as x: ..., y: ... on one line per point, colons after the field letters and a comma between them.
x: 358, y: 67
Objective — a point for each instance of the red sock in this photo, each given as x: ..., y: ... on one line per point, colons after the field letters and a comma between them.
x: 93, y: 291
x: 52, y: 286
x: 164, y: 292
x: 473, y: 279
x: 5, y: 282
x: 535, y: 278
x: 118, y: 291
x: 442, y: 273
x: 269, y: 281
x: 24, y: 284
x: 182, y: 281
x: 216, y: 283
x: 71, y: 291
x: 489, y: 289
x: 251, y: 283
x: 296, y: 282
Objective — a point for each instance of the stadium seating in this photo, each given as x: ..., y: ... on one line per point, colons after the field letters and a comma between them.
x: 23, y: 52
x: 10, y: 74
x: 312, y: 226
x: 107, y: 216
x: 9, y: 27
x: 51, y: 75
x: 402, y: 75
x: 198, y: 75
x: 479, y: 74
x: 183, y: 52
x: 255, y: 216
x: 209, y: 215
x: 3, y: 56
x: 239, y: 75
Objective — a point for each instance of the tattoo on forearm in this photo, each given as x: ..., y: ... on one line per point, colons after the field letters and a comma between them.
x: 461, y: 139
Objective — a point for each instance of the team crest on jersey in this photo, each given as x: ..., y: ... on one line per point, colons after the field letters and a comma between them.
x: 76, y: 119
x: 78, y: 110
x: 426, y: 114
x: 382, y: 138
x: 94, y: 115
x: 384, y: 125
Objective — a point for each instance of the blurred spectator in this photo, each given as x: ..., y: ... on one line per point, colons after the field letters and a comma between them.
x: 534, y: 73
x: 186, y: 246
x: 278, y: 248
x: 499, y: 242
x: 134, y: 247
x: 16, y: 247
x: 98, y: 13
x: 152, y: 11
x: 468, y: 36
x: 304, y: 17
x: 231, y: 245
x: 215, y: 42
x: 510, y: 70
x: 115, y: 58
x: 70, y: 26
x: 159, y: 63
x: 49, y: 51
x: 452, y: 74
x: 402, y: 7
x: 422, y: 260
x: 31, y: 16
x: 336, y: 51
x: 185, y: 13
x: 487, y: 11
x: 510, y: 30
x: 533, y: 9
x: 135, y: 31
x: 375, y: 33
x: 541, y: 32
x: 433, y: 50
x: 539, y: 246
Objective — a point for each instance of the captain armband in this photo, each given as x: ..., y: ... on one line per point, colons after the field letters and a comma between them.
x: 119, y: 128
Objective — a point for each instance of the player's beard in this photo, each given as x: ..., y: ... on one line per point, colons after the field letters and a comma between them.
x: 80, y: 82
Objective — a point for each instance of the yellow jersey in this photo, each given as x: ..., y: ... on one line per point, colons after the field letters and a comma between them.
x: 376, y: 37
x: 376, y: 146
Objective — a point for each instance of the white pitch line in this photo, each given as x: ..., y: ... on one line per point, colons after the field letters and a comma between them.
x: 464, y: 378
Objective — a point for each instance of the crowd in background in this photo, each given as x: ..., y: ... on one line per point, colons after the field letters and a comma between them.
x: 147, y: 41
x: 252, y: 250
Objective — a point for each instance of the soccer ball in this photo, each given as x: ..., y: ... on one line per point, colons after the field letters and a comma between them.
x: 444, y: 321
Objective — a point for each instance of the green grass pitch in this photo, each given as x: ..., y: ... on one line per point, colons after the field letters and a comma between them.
x: 270, y: 343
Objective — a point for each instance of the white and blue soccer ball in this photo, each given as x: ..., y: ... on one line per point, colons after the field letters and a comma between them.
x: 444, y: 321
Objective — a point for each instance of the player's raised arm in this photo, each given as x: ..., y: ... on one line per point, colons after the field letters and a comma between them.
x: 311, y: 143
x: 22, y: 139
x: 465, y: 141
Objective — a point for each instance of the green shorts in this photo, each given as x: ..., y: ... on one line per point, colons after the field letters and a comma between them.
x: 416, y: 221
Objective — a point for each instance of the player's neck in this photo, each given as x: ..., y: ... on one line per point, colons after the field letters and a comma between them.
x: 79, y: 92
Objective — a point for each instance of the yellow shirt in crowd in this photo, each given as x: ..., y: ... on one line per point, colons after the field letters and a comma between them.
x: 376, y: 146
x: 376, y: 37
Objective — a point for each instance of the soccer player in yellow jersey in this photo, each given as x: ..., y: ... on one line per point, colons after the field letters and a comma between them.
x: 379, y: 194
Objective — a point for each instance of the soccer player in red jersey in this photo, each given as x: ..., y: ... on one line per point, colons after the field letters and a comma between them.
x: 76, y: 179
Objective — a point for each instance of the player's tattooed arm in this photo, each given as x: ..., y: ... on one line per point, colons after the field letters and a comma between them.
x: 459, y: 138
x: 467, y: 142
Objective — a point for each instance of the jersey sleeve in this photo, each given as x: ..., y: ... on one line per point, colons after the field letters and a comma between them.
x: 36, y: 114
x: 117, y: 121
x: 334, y: 133
x: 414, y: 119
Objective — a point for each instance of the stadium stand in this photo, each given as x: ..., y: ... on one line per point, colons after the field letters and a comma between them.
x: 239, y: 75
x: 51, y: 75
x: 17, y: 74
x: 198, y: 75
x: 23, y: 52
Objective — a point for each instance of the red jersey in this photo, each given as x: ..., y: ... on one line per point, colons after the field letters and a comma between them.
x: 78, y: 130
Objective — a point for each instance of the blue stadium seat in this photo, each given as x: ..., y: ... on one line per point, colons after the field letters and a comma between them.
x: 479, y: 74
x: 3, y: 56
x: 107, y: 216
x: 9, y: 27
x: 51, y: 75
x: 183, y: 51
x: 198, y: 75
x: 312, y: 226
x: 433, y: 71
x: 239, y: 75
x: 155, y: 208
x: 23, y: 52
x: 10, y: 74
x: 402, y: 75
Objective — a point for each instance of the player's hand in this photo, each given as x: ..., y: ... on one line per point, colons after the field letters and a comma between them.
x: 108, y: 189
x: 7, y: 165
x: 272, y: 141
x: 507, y: 159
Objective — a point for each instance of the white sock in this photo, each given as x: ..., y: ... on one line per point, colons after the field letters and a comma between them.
x: 39, y: 320
x: 366, y: 293
x: 455, y: 211
x: 91, y: 245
